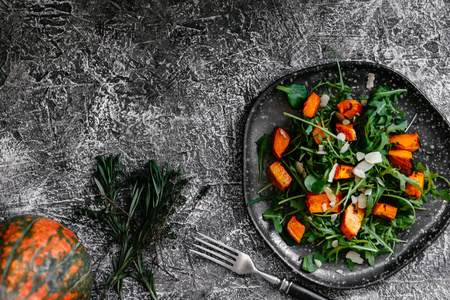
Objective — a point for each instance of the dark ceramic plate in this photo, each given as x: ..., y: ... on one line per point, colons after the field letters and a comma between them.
x: 267, y: 113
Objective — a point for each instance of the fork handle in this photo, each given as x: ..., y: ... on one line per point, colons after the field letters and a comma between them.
x: 296, y: 291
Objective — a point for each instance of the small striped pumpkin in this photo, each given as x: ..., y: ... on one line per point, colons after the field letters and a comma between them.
x: 41, y: 259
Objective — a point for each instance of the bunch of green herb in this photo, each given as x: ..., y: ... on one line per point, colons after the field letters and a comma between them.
x: 376, y: 236
x: 134, y: 209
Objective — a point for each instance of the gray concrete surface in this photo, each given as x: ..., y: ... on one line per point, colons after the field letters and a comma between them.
x: 174, y: 80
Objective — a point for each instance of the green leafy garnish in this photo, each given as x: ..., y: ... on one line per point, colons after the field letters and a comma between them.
x: 296, y: 93
x: 314, y: 185
x: 263, y: 147
x: 311, y: 261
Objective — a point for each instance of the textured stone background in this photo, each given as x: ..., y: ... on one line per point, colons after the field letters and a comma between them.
x: 175, y: 80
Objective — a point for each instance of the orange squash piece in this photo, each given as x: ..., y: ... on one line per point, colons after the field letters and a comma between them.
x: 311, y: 105
x: 280, y: 142
x: 351, y: 223
x: 350, y: 133
x: 278, y: 176
x: 401, y: 159
x: 295, y: 229
x: 343, y: 172
x: 349, y: 108
x: 409, y: 142
x: 412, y: 191
x: 385, y: 211
x: 315, y: 202
x: 318, y: 135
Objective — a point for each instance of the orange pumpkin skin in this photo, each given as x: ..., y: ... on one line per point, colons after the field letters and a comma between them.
x: 41, y: 259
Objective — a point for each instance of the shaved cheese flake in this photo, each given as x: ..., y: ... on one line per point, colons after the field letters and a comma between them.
x: 380, y: 182
x: 318, y: 263
x: 334, y: 243
x: 362, y: 201
x: 370, y: 80
x: 322, y: 152
x: 324, y: 207
x: 360, y: 156
x: 345, y: 122
x: 345, y: 147
x: 333, y: 217
x: 341, y: 136
x: 368, y: 192
x: 321, y: 148
x: 332, y: 173
x: 299, y: 167
x: 359, y: 173
x: 330, y: 194
x: 354, y: 257
x: 374, y: 157
x: 324, y: 100
x: 354, y: 199
x: 364, y: 166
x: 364, y: 102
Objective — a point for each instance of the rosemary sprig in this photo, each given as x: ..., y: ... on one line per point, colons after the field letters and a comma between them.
x: 152, y: 195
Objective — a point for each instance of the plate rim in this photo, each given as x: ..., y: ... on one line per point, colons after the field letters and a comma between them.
x: 406, y: 258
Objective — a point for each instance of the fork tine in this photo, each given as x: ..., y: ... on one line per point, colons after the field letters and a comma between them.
x: 212, y: 259
x: 219, y: 243
x: 215, y: 247
x: 215, y: 254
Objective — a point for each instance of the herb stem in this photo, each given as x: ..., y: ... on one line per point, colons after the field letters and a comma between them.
x: 312, y: 124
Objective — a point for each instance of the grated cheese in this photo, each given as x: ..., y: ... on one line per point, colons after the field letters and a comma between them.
x: 330, y: 195
x: 360, y: 156
x: 318, y: 263
x: 332, y: 173
x: 345, y: 147
x: 333, y: 217
x: 334, y: 243
x: 354, y: 257
x: 324, y: 100
x: 374, y: 157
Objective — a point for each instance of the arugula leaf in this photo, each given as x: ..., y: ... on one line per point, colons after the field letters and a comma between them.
x: 296, y: 93
x: 262, y: 198
x: 309, y: 265
x: 275, y: 216
x: 315, y: 185
x: 351, y: 264
x: 263, y: 147
x: 444, y: 194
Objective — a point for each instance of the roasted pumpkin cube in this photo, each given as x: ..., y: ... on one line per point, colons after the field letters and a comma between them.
x: 316, y: 203
x: 401, y: 159
x: 385, y: 211
x: 311, y: 105
x: 295, y: 229
x: 412, y: 191
x: 280, y: 141
x: 278, y: 176
x: 351, y: 223
x: 350, y: 133
x: 318, y: 135
x: 349, y: 108
x: 343, y: 172
x: 409, y: 142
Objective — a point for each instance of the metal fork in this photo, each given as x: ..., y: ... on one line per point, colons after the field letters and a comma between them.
x: 241, y: 264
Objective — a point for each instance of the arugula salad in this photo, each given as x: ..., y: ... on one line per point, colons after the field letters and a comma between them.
x: 344, y: 178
